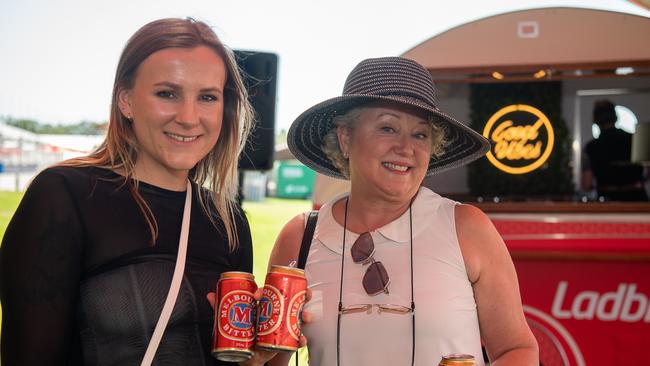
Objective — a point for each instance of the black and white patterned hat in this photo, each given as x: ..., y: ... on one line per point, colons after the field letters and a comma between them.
x: 394, y: 79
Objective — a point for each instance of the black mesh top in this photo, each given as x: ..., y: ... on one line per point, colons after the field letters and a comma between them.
x: 81, y: 284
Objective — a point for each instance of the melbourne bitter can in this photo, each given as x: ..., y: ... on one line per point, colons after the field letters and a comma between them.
x: 457, y: 360
x: 279, y: 309
x: 234, y: 317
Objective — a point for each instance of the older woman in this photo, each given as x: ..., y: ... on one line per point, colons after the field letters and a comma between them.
x: 399, y: 275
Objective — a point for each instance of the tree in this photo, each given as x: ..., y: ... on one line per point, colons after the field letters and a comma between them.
x: 81, y: 128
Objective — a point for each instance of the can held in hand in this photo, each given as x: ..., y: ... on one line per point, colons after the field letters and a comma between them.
x: 457, y: 360
x: 279, y: 309
x: 234, y: 317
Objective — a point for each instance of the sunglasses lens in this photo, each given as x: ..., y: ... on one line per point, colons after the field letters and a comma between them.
x: 376, y: 279
x: 362, y: 248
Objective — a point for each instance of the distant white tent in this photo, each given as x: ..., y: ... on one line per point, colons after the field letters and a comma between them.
x: 15, y: 133
x: 80, y: 144
x: 23, y: 153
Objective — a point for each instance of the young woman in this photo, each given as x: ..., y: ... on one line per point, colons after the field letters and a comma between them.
x: 88, y: 258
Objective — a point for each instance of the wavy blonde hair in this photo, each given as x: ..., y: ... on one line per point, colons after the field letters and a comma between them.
x: 350, y: 118
x: 218, y: 169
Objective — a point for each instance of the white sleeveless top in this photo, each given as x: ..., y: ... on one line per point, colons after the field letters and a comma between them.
x: 446, y: 318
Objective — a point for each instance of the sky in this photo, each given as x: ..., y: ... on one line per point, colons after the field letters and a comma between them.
x: 58, y: 58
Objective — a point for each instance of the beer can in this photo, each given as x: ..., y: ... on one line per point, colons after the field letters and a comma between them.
x: 234, y: 317
x: 457, y: 360
x: 279, y: 309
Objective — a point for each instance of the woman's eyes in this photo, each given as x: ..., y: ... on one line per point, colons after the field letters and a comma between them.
x: 167, y: 94
x: 417, y: 135
x: 208, y: 98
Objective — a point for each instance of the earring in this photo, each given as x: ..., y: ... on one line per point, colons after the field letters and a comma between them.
x: 345, y: 154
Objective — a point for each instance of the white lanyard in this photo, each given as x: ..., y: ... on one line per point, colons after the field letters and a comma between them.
x: 176, y: 282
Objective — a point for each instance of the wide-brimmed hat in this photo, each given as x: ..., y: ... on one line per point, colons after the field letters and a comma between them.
x: 395, y: 79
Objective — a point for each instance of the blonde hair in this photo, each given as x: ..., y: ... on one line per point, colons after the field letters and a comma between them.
x: 218, y: 169
x: 350, y: 118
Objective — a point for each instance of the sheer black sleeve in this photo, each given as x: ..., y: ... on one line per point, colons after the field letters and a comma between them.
x: 40, y: 266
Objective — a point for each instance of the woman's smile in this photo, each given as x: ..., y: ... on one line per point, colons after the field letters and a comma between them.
x: 396, y: 167
x: 181, y: 138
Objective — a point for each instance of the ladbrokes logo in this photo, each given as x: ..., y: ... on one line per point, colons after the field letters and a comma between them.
x: 522, y: 138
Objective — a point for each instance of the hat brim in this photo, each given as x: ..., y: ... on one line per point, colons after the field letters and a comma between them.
x: 305, y: 137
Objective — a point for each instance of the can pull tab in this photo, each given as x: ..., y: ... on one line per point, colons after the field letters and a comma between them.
x: 293, y: 264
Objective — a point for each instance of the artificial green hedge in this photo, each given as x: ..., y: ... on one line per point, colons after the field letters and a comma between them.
x: 553, y: 179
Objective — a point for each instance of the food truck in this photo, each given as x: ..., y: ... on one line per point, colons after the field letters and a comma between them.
x: 528, y: 80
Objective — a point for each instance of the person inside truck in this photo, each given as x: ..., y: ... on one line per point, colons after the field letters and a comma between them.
x: 606, y: 160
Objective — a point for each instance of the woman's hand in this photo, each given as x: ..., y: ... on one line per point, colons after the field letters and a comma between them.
x: 261, y: 357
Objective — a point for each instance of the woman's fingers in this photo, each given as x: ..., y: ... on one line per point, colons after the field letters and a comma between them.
x: 211, y: 296
x: 306, y: 317
x: 258, y: 294
x: 303, y: 341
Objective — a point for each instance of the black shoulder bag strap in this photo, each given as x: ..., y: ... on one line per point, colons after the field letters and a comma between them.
x: 306, y: 239
x: 305, y: 245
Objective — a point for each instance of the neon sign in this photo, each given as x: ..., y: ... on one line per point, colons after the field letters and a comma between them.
x: 522, y: 138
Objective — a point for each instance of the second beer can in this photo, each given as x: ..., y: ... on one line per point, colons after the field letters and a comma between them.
x: 234, y: 317
x: 279, y: 310
x: 457, y: 360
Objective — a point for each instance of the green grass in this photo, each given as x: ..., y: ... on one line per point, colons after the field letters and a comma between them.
x: 8, y: 203
x: 266, y: 219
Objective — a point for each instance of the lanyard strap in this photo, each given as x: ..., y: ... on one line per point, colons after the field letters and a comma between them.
x: 176, y: 282
x: 338, y: 317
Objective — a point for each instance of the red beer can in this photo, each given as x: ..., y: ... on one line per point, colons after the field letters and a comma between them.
x: 457, y: 360
x: 278, y: 312
x: 234, y: 317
